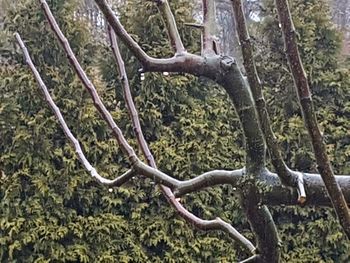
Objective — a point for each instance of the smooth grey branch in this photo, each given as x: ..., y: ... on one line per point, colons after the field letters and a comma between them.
x: 169, y: 20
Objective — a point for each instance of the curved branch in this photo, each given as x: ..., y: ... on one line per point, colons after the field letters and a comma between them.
x: 152, y: 172
x: 182, y: 62
x: 117, y: 181
x: 208, y: 179
x: 216, y: 224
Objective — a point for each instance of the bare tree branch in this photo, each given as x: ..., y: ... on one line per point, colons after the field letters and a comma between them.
x: 127, y: 149
x: 128, y: 99
x: 117, y: 181
x: 305, y: 100
x: 209, y: 44
x: 209, y: 179
x: 279, y: 194
x: 288, y: 177
x: 169, y: 20
x: 185, y: 63
x: 217, y: 224
x: 137, y: 165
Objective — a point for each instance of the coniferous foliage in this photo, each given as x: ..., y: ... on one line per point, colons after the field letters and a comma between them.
x: 50, y: 208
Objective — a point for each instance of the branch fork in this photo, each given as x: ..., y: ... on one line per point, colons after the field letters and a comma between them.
x: 251, y: 109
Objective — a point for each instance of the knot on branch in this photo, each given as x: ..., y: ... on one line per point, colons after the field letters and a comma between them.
x: 227, y: 62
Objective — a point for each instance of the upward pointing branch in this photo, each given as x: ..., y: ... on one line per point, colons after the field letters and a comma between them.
x: 209, y: 46
x: 287, y: 176
x: 128, y: 99
x: 305, y: 100
x: 169, y: 20
x: 125, y: 146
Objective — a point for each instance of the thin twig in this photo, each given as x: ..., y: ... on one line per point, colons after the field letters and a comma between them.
x: 127, y: 149
x: 117, y: 181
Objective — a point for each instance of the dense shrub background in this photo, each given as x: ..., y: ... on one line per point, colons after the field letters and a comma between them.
x: 52, y: 211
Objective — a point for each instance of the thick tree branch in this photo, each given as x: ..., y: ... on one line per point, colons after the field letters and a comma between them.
x: 209, y: 179
x: 117, y: 181
x: 169, y: 20
x: 305, y: 100
x: 258, y: 216
x: 209, y: 45
x: 232, y: 80
x: 217, y: 224
x: 287, y: 177
x: 279, y: 194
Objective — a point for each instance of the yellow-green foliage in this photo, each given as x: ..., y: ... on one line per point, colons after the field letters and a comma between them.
x: 52, y: 211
